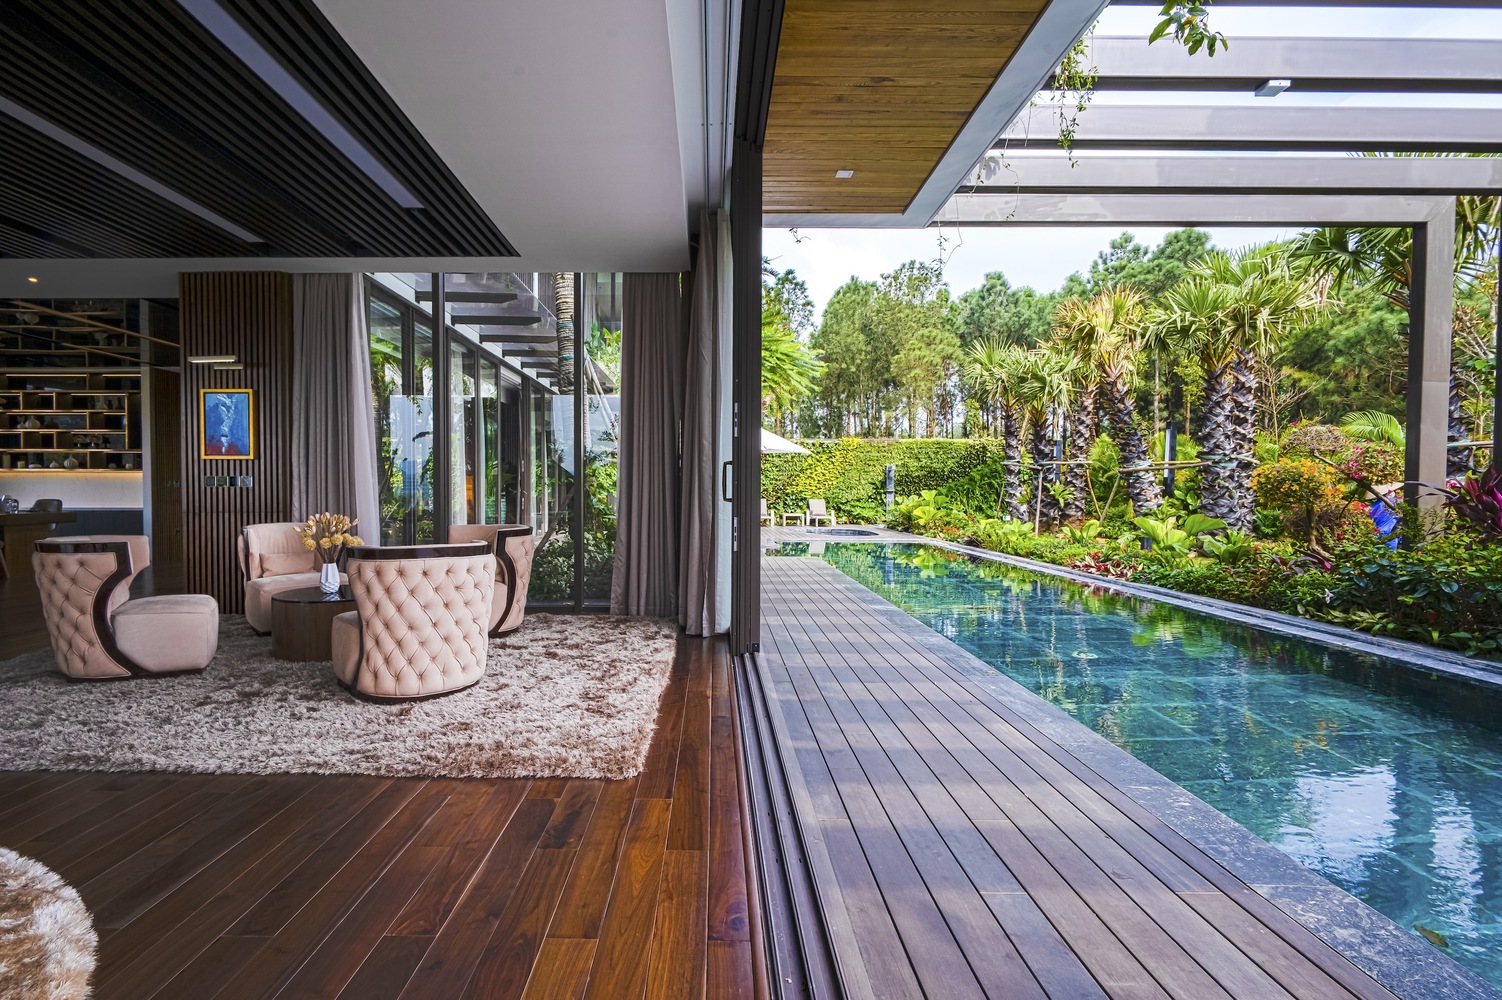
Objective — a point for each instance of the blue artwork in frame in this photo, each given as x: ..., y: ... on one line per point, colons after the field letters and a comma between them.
x: 227, y: 417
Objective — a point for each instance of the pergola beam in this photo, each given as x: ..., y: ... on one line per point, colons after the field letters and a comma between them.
x: 1235, y: 127
x: 1342, y: 65
x: 1130, y: 173
x: 1222, y: 209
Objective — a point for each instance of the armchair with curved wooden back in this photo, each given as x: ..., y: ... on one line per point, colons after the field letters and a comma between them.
x: 513, y: 546
x: 420, y: 627
x: 98, y: 632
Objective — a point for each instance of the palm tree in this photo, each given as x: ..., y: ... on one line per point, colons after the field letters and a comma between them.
x: 1106, y: 333
x: 1380, y: 258
x: 1252, y: 302
x: 1076, y: 321
x: 1044, y: 381
x: 994, y: 372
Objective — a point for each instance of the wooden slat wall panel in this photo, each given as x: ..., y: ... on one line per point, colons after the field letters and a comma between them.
x: 166, y: 458
x: 881, y: 88
x: 249, y: 315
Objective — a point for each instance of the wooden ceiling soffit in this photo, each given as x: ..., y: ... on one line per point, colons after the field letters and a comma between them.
x: 881, y: 88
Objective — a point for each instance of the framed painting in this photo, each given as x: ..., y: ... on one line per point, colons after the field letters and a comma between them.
x: 227, y: 419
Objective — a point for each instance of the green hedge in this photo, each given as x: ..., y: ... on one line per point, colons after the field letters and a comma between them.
x: 850, y: 474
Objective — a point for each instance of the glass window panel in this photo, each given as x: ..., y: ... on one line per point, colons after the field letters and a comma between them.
x: 600, y: 397
x: 490, y: 442
x: 463, y: 386
x: 386, y: 342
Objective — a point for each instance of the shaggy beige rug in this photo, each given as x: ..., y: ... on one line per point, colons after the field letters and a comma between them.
x: 563, y: 696
x: 47, y: 940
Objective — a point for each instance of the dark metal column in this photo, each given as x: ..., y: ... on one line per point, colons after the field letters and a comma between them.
x: 745, y: 448
x: 442, y: 424
x: 760, y: 28
x: 580, y: 482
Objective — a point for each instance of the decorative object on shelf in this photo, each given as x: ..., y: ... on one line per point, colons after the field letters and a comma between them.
x: 326, y: 535
x: 53, y: 464
x: 227, y: 423
x: 70, y: 462
x: 31, y: 424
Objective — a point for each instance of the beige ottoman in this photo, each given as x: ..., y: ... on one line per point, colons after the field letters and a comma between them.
x: 173, y: 632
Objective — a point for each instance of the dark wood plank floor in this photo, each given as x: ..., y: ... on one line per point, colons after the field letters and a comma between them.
x: 960, y: 852
x: 314, y: 886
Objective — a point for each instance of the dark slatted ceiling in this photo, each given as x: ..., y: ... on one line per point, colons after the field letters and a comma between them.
x: 84, y: 210
x: 145, y: 83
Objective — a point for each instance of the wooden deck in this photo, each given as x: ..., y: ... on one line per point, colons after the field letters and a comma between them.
x: 961, y: 853
x: 365, y: 888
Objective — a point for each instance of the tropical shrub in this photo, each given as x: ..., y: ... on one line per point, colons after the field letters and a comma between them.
x: 1377, y: 463
x: 1447, y: 592
x: 1314, y: 439
x: 1205, y: 577
x: 1477, y: 502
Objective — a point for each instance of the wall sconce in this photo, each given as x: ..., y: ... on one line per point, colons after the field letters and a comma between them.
x: 212, y: 359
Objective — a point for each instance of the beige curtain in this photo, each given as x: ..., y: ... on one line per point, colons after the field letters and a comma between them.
x: 704, y: 547
x: 333, y: 413
x: 645, y: 576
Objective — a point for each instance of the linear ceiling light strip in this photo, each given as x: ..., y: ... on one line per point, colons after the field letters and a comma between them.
x: 124, y: 170
x: 263, y: 64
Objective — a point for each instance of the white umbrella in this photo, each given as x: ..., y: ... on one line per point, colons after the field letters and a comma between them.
x: 775, y: 444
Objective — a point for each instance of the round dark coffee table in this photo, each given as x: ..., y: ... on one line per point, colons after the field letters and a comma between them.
x: 302, y: 622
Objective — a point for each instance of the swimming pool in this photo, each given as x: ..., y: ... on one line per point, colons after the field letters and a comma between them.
x: 1386, y: 781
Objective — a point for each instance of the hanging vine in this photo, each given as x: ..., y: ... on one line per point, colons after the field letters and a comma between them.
x: 1074, y: 89
x: 1074, y: 81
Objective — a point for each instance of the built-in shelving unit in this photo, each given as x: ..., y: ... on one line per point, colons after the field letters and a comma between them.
x: 49, y: 420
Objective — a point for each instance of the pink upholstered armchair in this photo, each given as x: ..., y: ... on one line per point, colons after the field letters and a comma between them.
x: 273, y: 559
x: 98, y: 632
x: 421, y: 620
x: 512, y: 545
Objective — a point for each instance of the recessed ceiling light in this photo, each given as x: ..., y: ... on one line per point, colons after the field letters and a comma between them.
x: 33, y: 280
x: 1273, y: 88
x: 844, y: 174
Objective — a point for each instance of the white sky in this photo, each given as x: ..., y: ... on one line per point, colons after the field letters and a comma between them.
x: 1043, y: 257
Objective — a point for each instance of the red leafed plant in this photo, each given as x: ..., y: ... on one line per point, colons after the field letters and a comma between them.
x: 1478, y: 499
x: 1101, y: 564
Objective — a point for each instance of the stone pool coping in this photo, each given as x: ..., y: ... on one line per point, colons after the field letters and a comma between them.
x: 1397, y: 958
x: 1409, y: 654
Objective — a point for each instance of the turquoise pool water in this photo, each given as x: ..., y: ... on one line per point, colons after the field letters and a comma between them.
x: 1386, y: 782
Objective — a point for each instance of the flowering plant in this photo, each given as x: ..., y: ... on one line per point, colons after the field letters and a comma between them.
x: 327, y: 534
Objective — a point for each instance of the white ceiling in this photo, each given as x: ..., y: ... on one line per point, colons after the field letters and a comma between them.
x: 563, y: 119
x: 558, y: 116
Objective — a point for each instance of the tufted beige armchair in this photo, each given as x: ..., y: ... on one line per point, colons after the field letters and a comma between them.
x: 512, y: 545
x: 98, y: 632
x: 421, y: 620
x: 273, y: 559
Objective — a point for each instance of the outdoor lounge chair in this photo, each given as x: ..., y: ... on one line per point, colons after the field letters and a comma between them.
x: 98, y: 632
x: 818, y: 511
x: 421, y: 618
x: 512, y: 545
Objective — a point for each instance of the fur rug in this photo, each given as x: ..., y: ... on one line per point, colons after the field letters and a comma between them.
x: 47, y: 940
x: 563, y: 696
